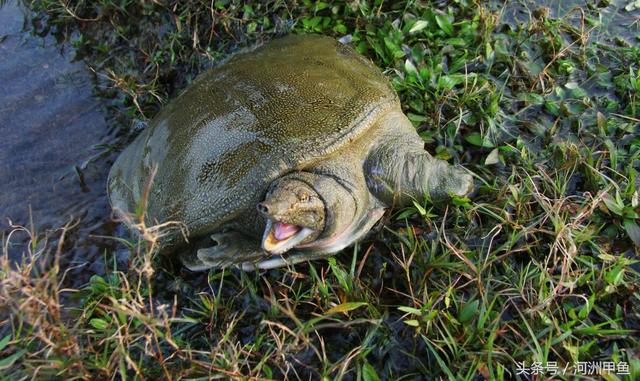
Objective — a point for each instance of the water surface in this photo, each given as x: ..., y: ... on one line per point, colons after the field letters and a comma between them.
x: 51, y: 125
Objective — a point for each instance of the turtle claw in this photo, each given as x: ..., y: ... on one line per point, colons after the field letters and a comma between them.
x: 445, y: 180
x: 461, y: 182
x: 193, y: 263
x: 225, y: 249
x: 211, y: 257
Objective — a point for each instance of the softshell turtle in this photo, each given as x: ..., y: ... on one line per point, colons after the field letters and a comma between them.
x: 283, y: 154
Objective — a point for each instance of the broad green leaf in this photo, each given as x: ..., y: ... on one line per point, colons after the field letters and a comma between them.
x: 418, y: 26
x: 615, y: 276
x: 430, y: 315
x: 410, y: 68
x: 535, y: 98
x: 612, y: 205
x: 420, y: 209
x: 468, y: 310
x: 345, y: 307
x: 393, y: 47
x: 98, y: 323
x: 410, y: 310
x: 460, y: 201
x: 633, y: 231
x: 456, y: 41
x: 340, y: 29
x: 553, y: 107
x: 369, y: 373
x: 448, y: 82
x: 477, y: 140
x: 405, y: 213
x: 321, y: 5
x: 444, y: 24
x: 416, y: 118
x: 413, y: 323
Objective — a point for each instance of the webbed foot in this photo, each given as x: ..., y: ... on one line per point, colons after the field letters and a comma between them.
x: 444, y: 180
x: 225, y: 249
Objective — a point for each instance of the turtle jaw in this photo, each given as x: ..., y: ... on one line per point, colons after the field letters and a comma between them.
x: 279, y: 237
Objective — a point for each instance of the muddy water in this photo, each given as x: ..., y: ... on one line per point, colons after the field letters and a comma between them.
x: 51, y: 169
x: 619, y: 18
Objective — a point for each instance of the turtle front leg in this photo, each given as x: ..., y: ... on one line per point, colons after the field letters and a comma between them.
x: 398, y: 169
x: 226, y: 249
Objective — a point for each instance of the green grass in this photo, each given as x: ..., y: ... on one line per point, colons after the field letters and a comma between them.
x: 542, y: 265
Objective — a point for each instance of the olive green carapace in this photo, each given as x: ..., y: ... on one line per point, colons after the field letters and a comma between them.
x: 305, y: 109
x: 239, y: 126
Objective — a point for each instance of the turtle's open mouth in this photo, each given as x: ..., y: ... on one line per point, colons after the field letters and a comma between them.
x: 279, y: 237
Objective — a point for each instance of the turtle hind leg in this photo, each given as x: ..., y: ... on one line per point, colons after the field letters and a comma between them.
x: 223, y: 249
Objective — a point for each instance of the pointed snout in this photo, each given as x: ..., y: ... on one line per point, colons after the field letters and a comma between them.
x: 264, y: 208
x: 272, y: 209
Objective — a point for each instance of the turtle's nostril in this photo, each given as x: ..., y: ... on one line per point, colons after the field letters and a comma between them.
x: 263, y: 208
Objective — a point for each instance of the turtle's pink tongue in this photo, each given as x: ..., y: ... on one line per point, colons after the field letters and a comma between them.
x: 283, y: 231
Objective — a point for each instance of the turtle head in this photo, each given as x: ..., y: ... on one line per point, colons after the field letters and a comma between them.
x: 315, y: 213
x: 295, y: 215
